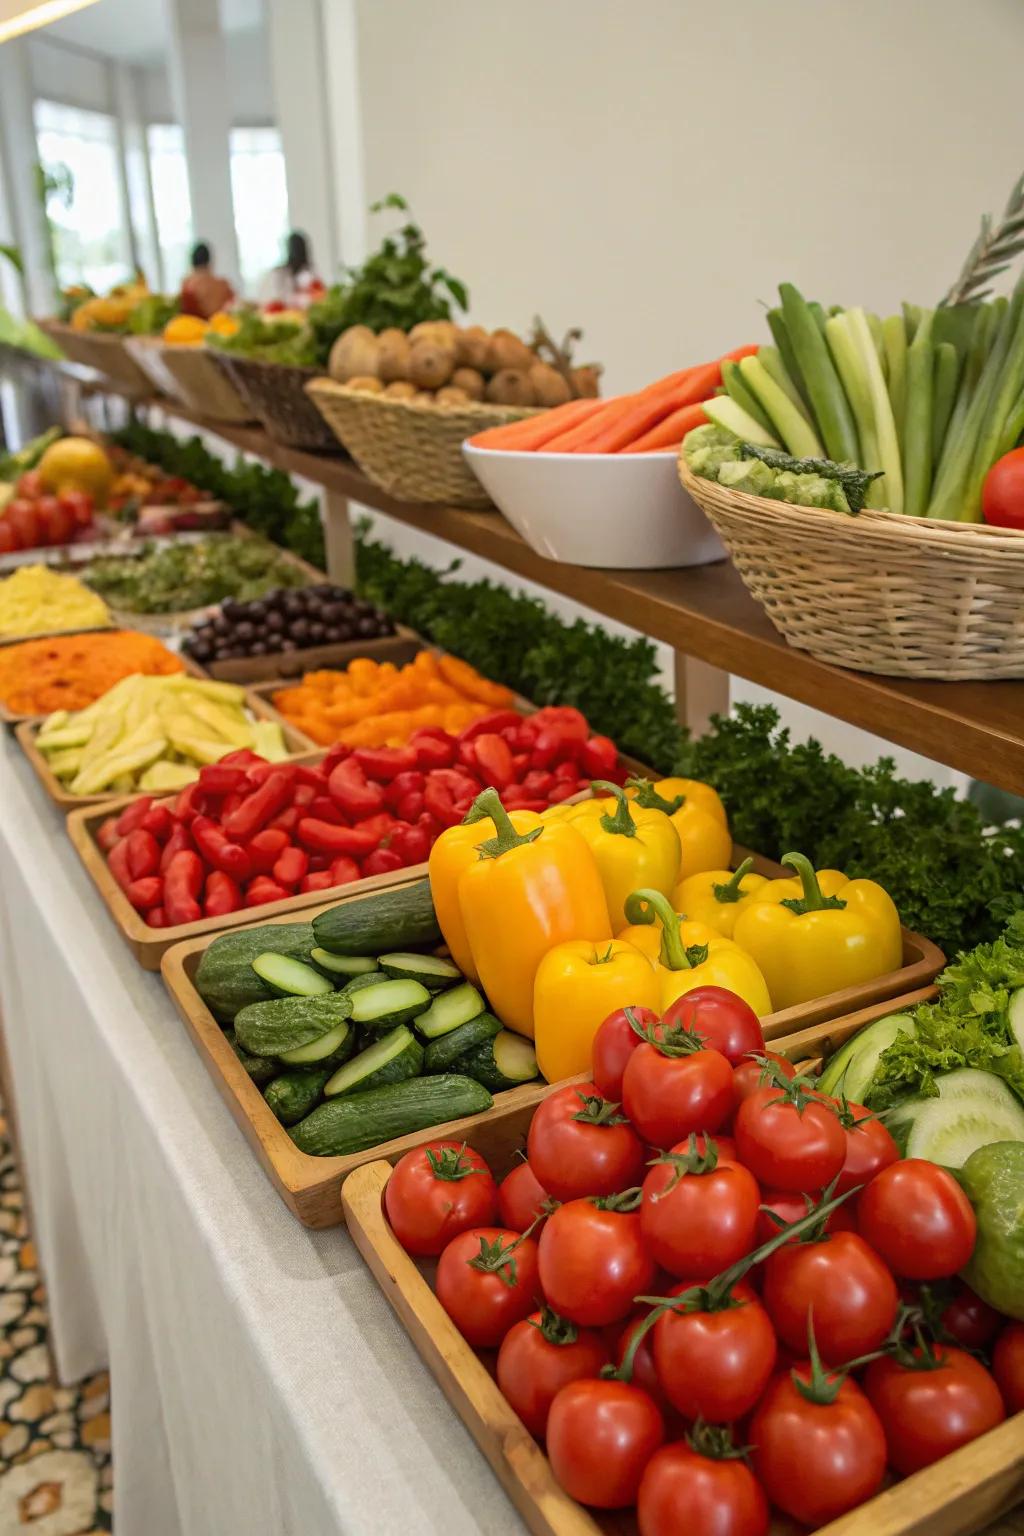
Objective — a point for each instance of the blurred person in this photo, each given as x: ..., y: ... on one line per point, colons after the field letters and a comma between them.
x: 203, y: 293
x: 293, y: 284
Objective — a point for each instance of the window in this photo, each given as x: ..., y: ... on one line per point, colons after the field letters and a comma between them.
x: 84, y: 204
x: 260, y: 198
x: 172, y: 205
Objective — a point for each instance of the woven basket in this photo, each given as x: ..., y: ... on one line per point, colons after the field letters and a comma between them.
x: 145, y: 350
x: 413, y: 452
x: 201, y: 385
x: 275, y: 394
x: 104, y: 351
x: 879, y: 592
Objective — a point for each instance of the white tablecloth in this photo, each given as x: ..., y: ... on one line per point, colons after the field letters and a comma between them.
x: 261, y: 1384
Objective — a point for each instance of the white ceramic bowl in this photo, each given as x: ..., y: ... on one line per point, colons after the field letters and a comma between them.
x: 625, y: 511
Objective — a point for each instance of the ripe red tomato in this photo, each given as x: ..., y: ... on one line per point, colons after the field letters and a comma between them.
x: 816, y: 1460
x: 541, y: 1355
x: 724, y: 1021
x: 918, y: 1218
x: 437, y: 1191
x: 49, y: 518
x: 720, y: 1496
x: 601, y: 1435
x: 644, y: 1373
x: 1008, y: 1366
x: 79, y: 504
x: 8, y: 537
x: 487, y: 1279
x: 789, y: 1143
x: 593, y: 1262
x: 60, y: 522
x: 869, y: 1147
x: 695, y: 1222
x: 580, y: 1144
x: 1002, y: 495
x: 668, y: 1096
x: 790, y: 1205
x: 839, y: 1281
x: 21, y: 515
x: 969, y: 1321
x: 30, y: 484
x: 929, y: 1409
x: 715, y: 1365
x: 746, y: 1077
x: 614, y: 1044
x: 520, y: 1197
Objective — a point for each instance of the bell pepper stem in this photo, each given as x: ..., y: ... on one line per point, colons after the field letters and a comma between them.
x: 648, y: 799
x: 488, y: 803
x: 622, y: 822
x: 732, y: 890
x: 649, y: 906
x: 812, y: 900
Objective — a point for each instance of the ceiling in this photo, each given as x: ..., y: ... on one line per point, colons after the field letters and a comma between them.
x: 134, y: 30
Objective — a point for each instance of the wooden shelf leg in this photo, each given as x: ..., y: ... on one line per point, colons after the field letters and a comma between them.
x: 340, y: 544
x: 701, y: 691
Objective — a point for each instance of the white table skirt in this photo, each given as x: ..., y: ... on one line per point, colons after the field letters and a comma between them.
x: 261, y: 1384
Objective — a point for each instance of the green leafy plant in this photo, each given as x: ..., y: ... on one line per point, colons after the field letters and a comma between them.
x: 995, y: 249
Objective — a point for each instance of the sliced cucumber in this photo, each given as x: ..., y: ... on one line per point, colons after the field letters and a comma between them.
x: 1015, y: 1016
x: 388, y: 1003
x: 724, y: 412
x: 450, y: 1010
x: 287, y: 1023
x: 972, y: 1109
x: 260, y: 1068
x: 433, y: 971
x: 362, y: 1120
x: 391, y: 1059
x: 342, y: 965
x: 507, y: 1061
x: 319, y: 1050
x: 440, y: 1053
x: 294, y: 1094
x: 290, y: 978
x: 367, y: 979
x: 852, y: 1068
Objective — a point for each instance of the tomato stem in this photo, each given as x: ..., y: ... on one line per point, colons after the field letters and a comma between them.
x: 715, y: 1442
x: 598, y: 1111
x: 553, y: 1328
x: 498, y: 1258
x: 625, y: 1201
x: 673, y: 1039
x: 451, y: 1163
x: 690, y: 1161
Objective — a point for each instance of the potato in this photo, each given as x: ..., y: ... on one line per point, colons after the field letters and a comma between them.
x: 548, y: 384
x: 587, y: 381
x: 472, y: 348
x: 424, y: 397
x: 511, y: 387
x: 506, y: 350
x: 400, y: 389
x: 443, y: 331
x: 368, y: 383
x: 430, y: 364
x: 392, y: 355
x: 356, y: 352
x: 451, y: 396
x: 470, y: 381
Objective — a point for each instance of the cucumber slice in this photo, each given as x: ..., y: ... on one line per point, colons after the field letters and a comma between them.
x: 342, y: 965
x: 367, y: 979
x: 1015, y: 1016
x: 440, y: 1053
x: 290, y: 978
x: 388, y: 1003
x: 507, y: 1061
x: 724, y: 412
x: 972, y: 1109
x: 391, y: 1059
x: 362, y: 1120
x: 450, y: 1010
x: 432, y: 970
x: 286, y: 1023
x: 852, y: 1068
x: 294, y: 1094
x: 319, y: 1050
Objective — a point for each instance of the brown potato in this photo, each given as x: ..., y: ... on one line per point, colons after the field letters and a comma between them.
x: 400, y: 389
x: 368, y: 382
x: 430, y: 364
x: 355, y: 353
x: 472, y: 348
x: 393, y: 355
x: 511, y: 387
x: 549, y: 386
x: 507, y: 350
x: 450, y: 396
x: 470, y: 381
x: 444, y: 331
x: 588, y: 381
x: 423, y: 397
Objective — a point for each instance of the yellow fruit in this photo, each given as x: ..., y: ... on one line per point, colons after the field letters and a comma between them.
x: 77, y: 463
x: 223, y: 324
x: 185, y: 330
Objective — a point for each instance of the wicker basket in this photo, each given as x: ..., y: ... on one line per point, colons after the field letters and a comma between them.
x: 879, y: 592
x: 413, y: 452
x: 145, y: 350
x: 275, y: 394
x: 104, y: 351
x: 201, y: 385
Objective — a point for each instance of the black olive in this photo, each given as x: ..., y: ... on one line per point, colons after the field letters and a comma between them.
x: 238, y: 652
x: 232, y: 608
x: 299, y: 630
x: 257, y: 648
x: 202, y: 652
x: 288, y: 644
x: 257, y: 611
x: 245, y: 631
x: 275, y: 620
x: 316, y: 632
x: 366, y: 629
x: 222, y: 653
x: 332, y: 634
x: 221, y: 625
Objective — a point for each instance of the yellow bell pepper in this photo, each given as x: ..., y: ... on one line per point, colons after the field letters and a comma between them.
x: 717, y: 896
x: 819, y: 932
x: 633, y: 847
x: 698, y: 816
x: 578, y: 985
x: 688, y: 955
x: 522, y: 895
x: 454, y: 851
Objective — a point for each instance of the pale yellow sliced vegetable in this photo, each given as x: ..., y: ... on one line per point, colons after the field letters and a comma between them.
x: 101, y: 775
x: 164, y: 777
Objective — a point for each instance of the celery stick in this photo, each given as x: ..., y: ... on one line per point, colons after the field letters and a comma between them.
x: 912, y: 315
x: 854, y: 381
x: 781, y: 337
x: 949, y: 492
x: 894, y: 337
x: 738, y: 391
x: 986, y: 324
x: 1014, y: 427
x: 918, y: 428
x: 724, y: 412
x: 885, y: 426
x: 776, y: 369
x: 947, y: 372
x: 1003, y: 400
x: 789, y: 421
x: 875, y: 327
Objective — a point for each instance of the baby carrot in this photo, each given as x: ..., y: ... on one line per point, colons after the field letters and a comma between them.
x: 670, y: 432
x: 537, y: 430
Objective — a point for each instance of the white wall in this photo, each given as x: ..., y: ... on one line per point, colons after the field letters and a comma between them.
x: 69, y: 75
x: 248, y: 83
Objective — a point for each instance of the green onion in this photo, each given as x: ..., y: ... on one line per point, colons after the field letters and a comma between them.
x: 846, y: 354
x: 780, y: 335
x: 894, y: 336
x: 947, y: 373
x: 918, y: 429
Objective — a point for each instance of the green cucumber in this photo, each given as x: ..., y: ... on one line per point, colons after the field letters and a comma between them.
x: 388, y: 1003
x: 450, y: 1010
x: 391, y: 1059
x: 440, y: 1053
x: 286, y: 977
x: 294, y: 1094
x: 260, y: 1068
x: 288, y: 1023
x: 434, y: 971
x: 346, y: 966
x: 225, y: 979
x: 359, y: 1121
x: 852, y: 1068
x: 367, y: 979
x: 507, y: 1061
x: 388, y: 920
x: 336, y: 1044
x: 971, y: 1109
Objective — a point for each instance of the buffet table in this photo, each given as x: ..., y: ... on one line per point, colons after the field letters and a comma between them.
x: 261, y: 1383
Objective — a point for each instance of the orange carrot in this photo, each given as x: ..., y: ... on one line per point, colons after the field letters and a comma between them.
x: 669, y: 432
x: 611, y: 410
x: 738, y: 354
x: 536, y: 430
x: 651, y: 409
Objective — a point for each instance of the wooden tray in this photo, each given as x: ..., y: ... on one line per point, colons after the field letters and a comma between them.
x: 7, y: 717
x: 286, y: 666
x: 957, y: 1495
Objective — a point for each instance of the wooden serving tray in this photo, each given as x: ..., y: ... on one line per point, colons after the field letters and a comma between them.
x: 958, y: 1495
x: 8, y: 717
x: 283, y: 667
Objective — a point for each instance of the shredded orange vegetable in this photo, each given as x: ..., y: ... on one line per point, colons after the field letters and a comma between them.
x: 70, y: 671
x: 376, y: 704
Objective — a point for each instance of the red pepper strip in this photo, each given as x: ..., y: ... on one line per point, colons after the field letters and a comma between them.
x: 221, y: 779
x: 312, y: 774
x: 132, y: 816
x: 231, y: 803
x: 286, y: 820
x: 335, y: 755
x: 434, y: 748
x: 319, y: 861
x: 261, y: 771
x: 219, y: 850
x: 323, y: 837
x: 159, y: 821
x: 494, y: 760
x: 537, y: 782
x: 513, y: 802
x: 291, y: 866
x: 410, y: 806
x: 107, y: 834
x: 412, y: 844
x: 566, y: 718
x: 562, y: 790
x: 323, y: 808
x: 465, y: 756
x: 190, y: 802
x: 180, y: 838
x: 520, y: 763
x: 305, y: 794
x: 183, y: 881
x: 527, y: 733
x: 430, y: 824
x: 266, y: 848
x: 156, y: 917
x: 145, y: 893
x: 117, y: 863
x: 259, y: 807
x: 319, y: 880
x: 263, y: 889
x: 382, y: 861
x: 488, y: 725
x: 385, y: 763
x: 143, y: 854
x: 403, y: 784
x: 566, y: 773
x: 222, y: 894
x: 600, y: 757
x: 344, y: 870
x: 349, y: 788
x: 554, y: 745
x: 377, y: 826
x: 242, y: 757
